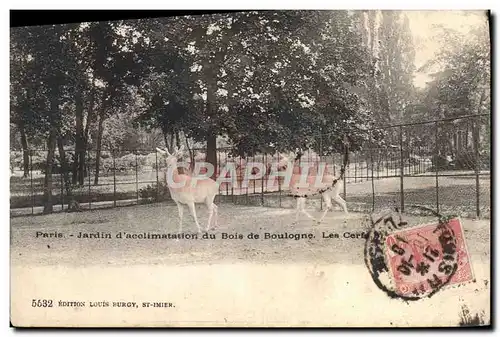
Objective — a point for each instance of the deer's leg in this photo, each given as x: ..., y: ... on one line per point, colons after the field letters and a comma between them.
x: 192, y: 210
x: 341, y: 203
x: 328, y: 205
x: 181, y: 212
x: 210, y: 207
x: 297, y: 211
x: 303, y: 208
x: 216, y: 214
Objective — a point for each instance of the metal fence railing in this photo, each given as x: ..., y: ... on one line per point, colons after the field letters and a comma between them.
x: 442, y: 164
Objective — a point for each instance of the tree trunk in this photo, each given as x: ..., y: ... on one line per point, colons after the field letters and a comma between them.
x: 171, y: 145
x: 455, y: 143
x: 476, y: 131
x: 74, y: 171
x: 82, y: 170
x: 82, y: 173
x: 64, y: 167
x: 211, y: 156
x: 191, y: 155
x: 26, y: 156
x: 47, y: 194
x: 100, y: 129
x: 177, y: 139
x: 212, y: 151
x: 73, y: 205
x: 165, y: 138
x: 79, y: 140
x: 467, y: 136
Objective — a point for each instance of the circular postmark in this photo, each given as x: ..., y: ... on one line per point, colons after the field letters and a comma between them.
x: 411, y: 262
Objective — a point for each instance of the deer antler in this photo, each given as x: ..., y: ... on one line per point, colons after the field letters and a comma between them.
x: 167, y: 152
x: 160, y: 150
x: 179, y: 150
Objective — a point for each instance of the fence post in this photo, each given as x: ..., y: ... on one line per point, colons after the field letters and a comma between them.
x: 420, y: 160
x: 388, y: 158
x: 136, y: 178
x: 264, y: 162
x: 279, y: 184
x: 320, y: 159
x: 62, y: 187
x: 88, y: 173
x: 237, y: 182
x: 378, y: 163
x: 231, y: 175
x: 219, y: 165
x: 157, y: 177
x: 436, y: 156
x: 333, y: 164
x: 253, y: 179
x: 401, y: 168
x: 371, y: 161
x: 244, y: 173
x: 477, y: 168
x: 114, y: 177
x: 355, y: 168
x: 31, y: 182
x: 345, y: 177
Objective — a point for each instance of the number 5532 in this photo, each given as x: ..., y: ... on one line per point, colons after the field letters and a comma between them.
x: 41, y: 303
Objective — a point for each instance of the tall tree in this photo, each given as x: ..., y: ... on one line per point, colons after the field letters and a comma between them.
x: 115, y: 67
x: 48, y: 50
x: 397, y: 63
x: 265, y: 79
x: 460, y: 86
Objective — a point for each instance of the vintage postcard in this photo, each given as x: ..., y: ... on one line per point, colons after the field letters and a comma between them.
x: 293, y: 168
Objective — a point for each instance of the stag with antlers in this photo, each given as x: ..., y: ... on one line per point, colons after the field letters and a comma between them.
x: 307, y: 184
x: 189, y: 190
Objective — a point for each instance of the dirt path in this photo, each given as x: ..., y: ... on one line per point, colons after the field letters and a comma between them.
x: 222, y: 281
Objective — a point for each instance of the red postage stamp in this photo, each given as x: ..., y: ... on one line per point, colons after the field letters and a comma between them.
x: 426, y: 258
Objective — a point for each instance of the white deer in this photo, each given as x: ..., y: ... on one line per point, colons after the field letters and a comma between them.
x: 328, y: 186
x: 187, y: 192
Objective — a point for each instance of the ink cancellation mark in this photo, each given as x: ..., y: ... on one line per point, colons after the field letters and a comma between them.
x: 419, y: 261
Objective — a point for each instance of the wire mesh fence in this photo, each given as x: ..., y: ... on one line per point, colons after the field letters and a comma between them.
x: 442, y: 164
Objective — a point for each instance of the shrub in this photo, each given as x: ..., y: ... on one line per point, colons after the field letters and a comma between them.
x: 150, y: 160
x: 441, y: 163
x: 107, y: 165
x: 485, y: 160
x: 16, y: 160
x: 413, y: 160
x: 465, y: 161
x: 105, y: 155
x: 154, y: 192
x: 141, y: 160
x: 125, y: 163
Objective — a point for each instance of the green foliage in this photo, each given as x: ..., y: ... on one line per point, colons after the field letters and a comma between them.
x: 16, y: 160
x: 441, y: 163
x: 154, y: 193
x: 397, y: 57
x: 264, y: 81
x: 388, y: 87
x: 465, y: 161
x: 267, y: 80
x: 462, y: 76
x: 460, y: 86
